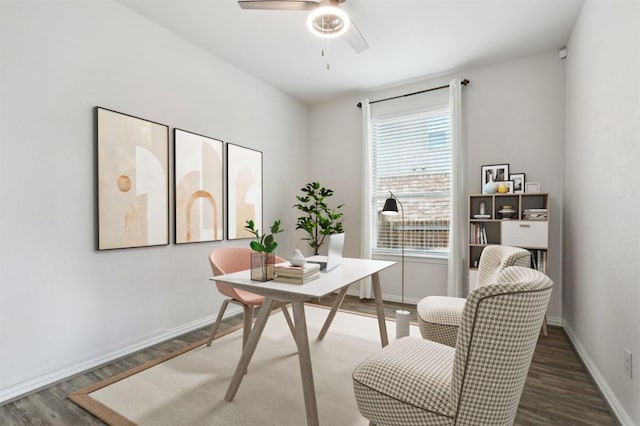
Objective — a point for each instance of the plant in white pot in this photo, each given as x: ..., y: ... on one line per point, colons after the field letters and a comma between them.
x: 263, y: 256
x: 319, y: 220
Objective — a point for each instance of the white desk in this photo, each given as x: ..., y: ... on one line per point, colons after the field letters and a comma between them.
x: 338, y: 279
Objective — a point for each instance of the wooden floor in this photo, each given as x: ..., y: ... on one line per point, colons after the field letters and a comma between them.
x: 558, y: 390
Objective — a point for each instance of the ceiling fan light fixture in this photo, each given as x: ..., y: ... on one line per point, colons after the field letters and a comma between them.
x: 328, y: 21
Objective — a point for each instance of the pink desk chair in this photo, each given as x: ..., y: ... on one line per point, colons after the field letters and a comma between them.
x: 226, y: 260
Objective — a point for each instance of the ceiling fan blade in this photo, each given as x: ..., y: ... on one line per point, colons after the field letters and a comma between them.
x: 354, y: 37
x: 278, y: 4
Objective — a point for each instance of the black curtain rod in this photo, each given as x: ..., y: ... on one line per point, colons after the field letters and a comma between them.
x: 463, y: 82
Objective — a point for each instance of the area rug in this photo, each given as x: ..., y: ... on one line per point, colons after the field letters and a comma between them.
x: 188, y: 387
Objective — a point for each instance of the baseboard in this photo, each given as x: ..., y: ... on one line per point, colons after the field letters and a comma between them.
x: 22, y: 389
x: 398, y: 299
x: 389, y: 297
x: 618, y: 411
x: 555, y: 321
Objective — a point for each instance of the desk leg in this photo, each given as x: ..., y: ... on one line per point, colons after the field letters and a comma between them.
x: 249, y: 348
x: 336, y: 305
x: 377, y: 294
x: 304, y: 356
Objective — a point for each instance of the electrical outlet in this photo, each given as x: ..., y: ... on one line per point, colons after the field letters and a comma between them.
x: 627, y: 363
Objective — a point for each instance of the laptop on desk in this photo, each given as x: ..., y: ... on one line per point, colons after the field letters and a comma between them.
x: 334, y: 254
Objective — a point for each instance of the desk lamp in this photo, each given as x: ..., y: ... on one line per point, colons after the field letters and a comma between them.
x: 402, y: 316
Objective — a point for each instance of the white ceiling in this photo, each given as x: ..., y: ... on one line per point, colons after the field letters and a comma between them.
x: 408, y: 39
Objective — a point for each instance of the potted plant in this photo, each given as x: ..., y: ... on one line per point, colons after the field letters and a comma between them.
x: 263, y: 257
x: 319, y: 220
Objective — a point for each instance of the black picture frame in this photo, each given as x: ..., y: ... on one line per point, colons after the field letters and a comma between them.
x: 198, y: 177
x: 519, y: 182
x: 132, y: 176
x: 499, y: 172
x: 244, y: 190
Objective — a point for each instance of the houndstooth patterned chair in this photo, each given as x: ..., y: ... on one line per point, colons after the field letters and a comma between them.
x: 440, y: 316
x: 479, y: 382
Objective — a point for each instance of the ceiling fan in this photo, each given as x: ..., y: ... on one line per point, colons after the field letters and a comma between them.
x: 326, y: 19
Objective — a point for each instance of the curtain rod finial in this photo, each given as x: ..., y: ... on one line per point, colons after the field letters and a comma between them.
x: 359, y: 105
x: 464, y: 82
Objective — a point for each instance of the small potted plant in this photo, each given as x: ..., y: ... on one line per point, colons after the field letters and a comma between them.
x: 319, y: 219
x: 263, y: 258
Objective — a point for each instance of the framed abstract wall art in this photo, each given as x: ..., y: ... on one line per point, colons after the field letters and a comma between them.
x: 244, y: 190
x: 518, y: 182
x: 495, y: 173
x: 198, y: 177
x: 133, y: 181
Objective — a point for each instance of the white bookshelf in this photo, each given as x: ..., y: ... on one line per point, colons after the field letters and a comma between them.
x: 528, y: 227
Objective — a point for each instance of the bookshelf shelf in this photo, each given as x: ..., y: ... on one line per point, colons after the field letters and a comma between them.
x: 527, y: 226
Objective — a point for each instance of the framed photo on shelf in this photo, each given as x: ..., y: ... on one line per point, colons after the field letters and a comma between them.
x: 495, y: 172
x: 518, y: 182
x: 509, y: 184
x: 198, y: 178
x: 244, y: 190
x: 133, y: 181
x: 532, y: 187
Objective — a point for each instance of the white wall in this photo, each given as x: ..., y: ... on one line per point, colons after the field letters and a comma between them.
x: 63, y: 305
x: 601, y: 244
x: 513, y: 112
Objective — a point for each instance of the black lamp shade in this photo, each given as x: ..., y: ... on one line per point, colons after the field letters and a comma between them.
x: 390, y: 207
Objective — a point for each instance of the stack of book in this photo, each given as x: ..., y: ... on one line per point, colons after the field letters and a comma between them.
x: 535, y: 214
x: 539, y: 260
x: 478, y: 234
x: 287, y: 273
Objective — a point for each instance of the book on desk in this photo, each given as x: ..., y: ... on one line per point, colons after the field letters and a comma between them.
x: 290, y: 274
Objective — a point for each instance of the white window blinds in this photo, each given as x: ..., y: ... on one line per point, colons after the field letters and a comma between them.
x: 412, y: 158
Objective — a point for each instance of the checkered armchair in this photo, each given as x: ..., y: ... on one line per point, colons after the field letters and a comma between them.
x: 439, y: 316
x: 479, y: 382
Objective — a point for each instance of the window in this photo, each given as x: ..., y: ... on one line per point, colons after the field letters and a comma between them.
x: 412, y: 158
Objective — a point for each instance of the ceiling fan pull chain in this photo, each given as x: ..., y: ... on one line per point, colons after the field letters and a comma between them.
x: 325, y: 53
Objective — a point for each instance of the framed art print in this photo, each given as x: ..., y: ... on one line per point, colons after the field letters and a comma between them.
x: 518, y: 182
x: 198, y: 178
x: 510, y: 186
x: 495, y: 172
x: 244, y: 190
x: 133, y: 181
x: 532, y: 187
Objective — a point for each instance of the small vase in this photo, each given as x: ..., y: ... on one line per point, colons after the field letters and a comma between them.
x: 490, y: 187
x: 502, y: 188
x: 262, y: 266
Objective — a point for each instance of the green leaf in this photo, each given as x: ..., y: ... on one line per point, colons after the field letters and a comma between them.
x: 270, y: 248
x: 256, y: 246
x: 275, y: 228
